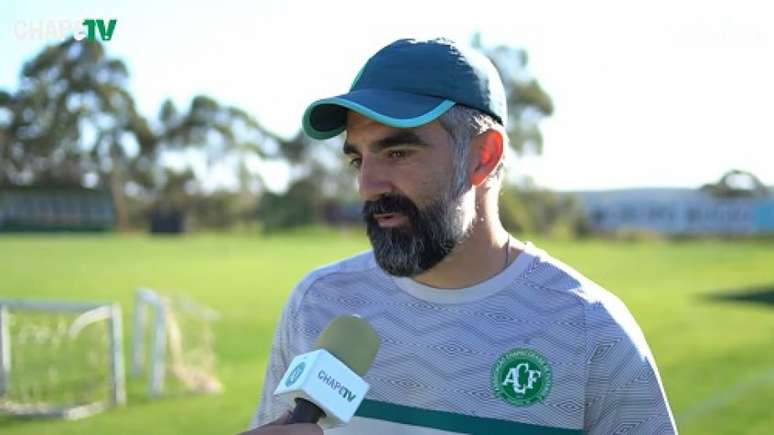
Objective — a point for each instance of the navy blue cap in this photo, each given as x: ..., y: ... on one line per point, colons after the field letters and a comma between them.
x: 410, y: 83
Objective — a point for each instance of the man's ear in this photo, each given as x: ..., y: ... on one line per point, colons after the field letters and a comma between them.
x: 486, y: 152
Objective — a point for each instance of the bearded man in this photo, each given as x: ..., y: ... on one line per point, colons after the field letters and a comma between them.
x: 480, y: 333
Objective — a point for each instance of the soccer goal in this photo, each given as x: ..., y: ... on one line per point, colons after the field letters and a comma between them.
x: 60, y: 359
x: 178, y: 332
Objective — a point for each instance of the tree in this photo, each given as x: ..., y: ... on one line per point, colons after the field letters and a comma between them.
x: 72, y: 122
x: 192, y: 148
x: 528, y: 103
x: 530, y: 209
x: 318, y: 177
x: 737, y: 184
x: 299, y: 206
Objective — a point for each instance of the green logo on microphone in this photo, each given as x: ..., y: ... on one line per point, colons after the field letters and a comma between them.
x: 295, y: 374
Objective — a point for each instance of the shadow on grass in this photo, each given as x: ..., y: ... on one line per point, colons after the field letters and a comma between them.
x: 763, y: 294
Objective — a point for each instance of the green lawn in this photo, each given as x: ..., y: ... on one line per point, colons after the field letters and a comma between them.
x: 716, y: 357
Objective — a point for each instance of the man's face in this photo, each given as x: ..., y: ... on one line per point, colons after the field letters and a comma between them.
x: 414, y: 216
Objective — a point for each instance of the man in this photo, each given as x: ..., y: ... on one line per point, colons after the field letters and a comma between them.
x: 479, y: 332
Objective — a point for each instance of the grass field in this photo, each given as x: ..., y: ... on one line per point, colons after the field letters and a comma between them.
x: 715, y: 354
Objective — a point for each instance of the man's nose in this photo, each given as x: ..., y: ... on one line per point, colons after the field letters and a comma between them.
x: 373, y: 180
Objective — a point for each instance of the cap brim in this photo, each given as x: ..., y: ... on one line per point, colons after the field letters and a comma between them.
x: 326, y: 118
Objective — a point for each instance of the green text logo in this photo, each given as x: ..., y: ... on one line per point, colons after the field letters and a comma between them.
x: 521, y: 377
x: 97, y: 26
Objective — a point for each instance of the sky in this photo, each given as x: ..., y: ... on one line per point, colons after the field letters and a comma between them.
x: 647, y: 94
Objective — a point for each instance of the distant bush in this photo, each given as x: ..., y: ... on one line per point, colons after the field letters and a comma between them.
x: 541, y: 211
x: 299, y: 206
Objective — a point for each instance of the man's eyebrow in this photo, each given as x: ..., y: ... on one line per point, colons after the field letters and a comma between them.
x: 399, y: 138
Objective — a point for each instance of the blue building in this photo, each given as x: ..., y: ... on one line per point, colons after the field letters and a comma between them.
x: 677, y: 211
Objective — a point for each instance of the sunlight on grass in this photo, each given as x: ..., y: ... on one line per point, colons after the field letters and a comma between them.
x: 705, y: 343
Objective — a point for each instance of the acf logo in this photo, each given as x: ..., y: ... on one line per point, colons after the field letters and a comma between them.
x: 295, y: 374
x: 521, y: 377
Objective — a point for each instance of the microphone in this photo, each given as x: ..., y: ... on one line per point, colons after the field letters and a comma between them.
x: 326, y: 384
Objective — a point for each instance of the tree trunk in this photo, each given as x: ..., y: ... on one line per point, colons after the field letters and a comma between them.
x: 116, y: 180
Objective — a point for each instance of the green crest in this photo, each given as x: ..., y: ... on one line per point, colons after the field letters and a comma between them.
x: 521, y: 377
x: 295, y: 374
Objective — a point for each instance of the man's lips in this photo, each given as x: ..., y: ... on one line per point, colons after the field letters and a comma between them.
x: 390, y: 220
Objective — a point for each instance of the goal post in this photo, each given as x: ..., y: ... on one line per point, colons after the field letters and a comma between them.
x: 147, y: 303
x: 178, y: 333
x: 5, y: 350
x: 60, y: 359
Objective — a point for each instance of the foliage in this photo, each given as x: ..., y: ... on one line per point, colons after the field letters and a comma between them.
x: 320, y: 178
x: 737, y: 184
x: 192, y: 147
x: 528, y: 102
x: 72, y: 122
x: 299, y: 206
x: 532, y: 210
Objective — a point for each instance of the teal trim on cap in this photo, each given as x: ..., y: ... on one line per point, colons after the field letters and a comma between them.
x: 313, y: 132
x: 439, y: 110
x: 357, y: 77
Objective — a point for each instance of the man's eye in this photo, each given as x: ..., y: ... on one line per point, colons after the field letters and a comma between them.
x: 398, y: 154
x: 355, y: 162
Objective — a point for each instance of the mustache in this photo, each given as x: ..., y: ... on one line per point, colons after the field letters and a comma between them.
x: 390, y: 204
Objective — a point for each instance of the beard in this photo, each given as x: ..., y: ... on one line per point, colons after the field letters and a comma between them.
x: 431, y: 234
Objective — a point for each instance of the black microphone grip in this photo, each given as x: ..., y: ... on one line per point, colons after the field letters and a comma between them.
x: 305, y: 412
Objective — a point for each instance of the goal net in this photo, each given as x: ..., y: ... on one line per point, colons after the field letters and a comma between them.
x: 59, y: 359
x: 173, y: 337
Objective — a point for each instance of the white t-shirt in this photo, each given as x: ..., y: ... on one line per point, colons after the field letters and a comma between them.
x: 535, y: 349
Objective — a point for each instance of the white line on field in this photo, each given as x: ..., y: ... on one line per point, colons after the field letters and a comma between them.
x: 726, y: 396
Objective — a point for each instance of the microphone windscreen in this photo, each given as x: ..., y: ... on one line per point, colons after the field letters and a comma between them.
x: 352, y: 341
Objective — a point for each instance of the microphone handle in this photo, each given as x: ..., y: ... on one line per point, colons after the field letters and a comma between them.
x: 305, y: 412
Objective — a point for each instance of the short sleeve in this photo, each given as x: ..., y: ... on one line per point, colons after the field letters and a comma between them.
x: 624, y: 393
